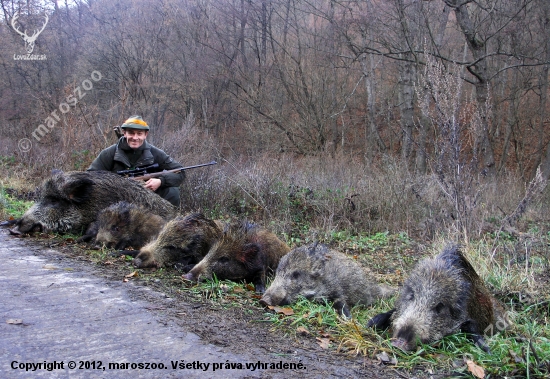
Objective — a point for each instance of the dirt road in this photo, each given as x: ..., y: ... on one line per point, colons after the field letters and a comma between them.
x: 60, y: 318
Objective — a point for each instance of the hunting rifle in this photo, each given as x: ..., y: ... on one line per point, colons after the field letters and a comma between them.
x: 143, y: 170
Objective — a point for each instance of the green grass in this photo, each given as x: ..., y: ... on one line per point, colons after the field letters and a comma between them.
x: 11, y: 207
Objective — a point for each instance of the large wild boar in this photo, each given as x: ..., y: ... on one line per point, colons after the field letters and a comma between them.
x: 442, y: 296
x: 125, y: 224
x: 70, y: 202
x: 183, y: 240
x: 319, y: 273
x: 245, y: 252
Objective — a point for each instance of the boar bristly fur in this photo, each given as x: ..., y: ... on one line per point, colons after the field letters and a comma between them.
x: 124, y: 224
x: 184, y: 240
x: 319, y: 273
x: 245, y: 252
x: 441, y: 296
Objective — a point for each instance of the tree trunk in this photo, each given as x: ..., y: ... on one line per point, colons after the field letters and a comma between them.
x: 478, y: 69
x: 545, y: 157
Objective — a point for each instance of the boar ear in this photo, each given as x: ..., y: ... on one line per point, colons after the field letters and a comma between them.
x: 194, y: 219
x: 248, y: 253
x: 381, y: 321
x: 78, y: 190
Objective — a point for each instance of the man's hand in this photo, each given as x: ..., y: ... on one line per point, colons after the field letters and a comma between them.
x: 153, y: 184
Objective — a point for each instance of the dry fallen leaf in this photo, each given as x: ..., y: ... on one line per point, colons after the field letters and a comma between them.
x: 132, y: 274
x: 476, y: 370
x: 238, y: 289
x: 323, y: 342
x: 49, y: 267
x: 285, y: 311
x: 14, y: 321
x: 302, y: 330
x: 250, y: 287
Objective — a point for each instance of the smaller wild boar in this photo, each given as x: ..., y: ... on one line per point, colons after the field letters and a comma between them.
x: 184, y: 240
x: 124, y: 224
x: 442, y: 295
x: 316, y: 273
x: 245, y: 252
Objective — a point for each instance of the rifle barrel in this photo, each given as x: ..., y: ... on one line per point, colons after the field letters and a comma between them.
x: 157, y: 174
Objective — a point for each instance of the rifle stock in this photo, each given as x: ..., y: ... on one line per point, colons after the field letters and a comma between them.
x: 157, y: 174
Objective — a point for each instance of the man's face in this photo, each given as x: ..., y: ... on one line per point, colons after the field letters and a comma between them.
x: 135, y: 137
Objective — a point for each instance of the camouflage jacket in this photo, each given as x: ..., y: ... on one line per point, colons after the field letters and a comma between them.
x: 120, y: 156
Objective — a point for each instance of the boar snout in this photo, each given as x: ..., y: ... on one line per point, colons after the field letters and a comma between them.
x: 29, y: 227
x: 189, y: 276
x: 270, y: 300
x: 405, y: 338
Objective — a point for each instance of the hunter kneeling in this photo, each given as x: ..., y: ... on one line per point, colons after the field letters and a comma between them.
x: 133, y: 151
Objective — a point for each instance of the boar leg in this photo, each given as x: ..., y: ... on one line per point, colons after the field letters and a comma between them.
x: 472, y: 329
x: 381, y: 321
x: 342, y: 308
x: 90, y: 234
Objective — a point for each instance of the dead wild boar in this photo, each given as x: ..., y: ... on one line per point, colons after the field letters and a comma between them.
x: 184, y: 240
x: 125, y: 224
x: 317, y: 273
x: 245, y: 252
x: 69, y: 202
x: 442, y: 295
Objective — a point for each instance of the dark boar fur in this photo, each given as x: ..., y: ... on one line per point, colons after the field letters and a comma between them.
x: 70, y: 202
x: 124, y: 224
x: 442, y: 295
x: 245, y: 252
x: 183, y: 240
x: 319, y: 273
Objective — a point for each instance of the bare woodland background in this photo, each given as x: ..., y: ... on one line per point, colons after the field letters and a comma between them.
x: 371, y: 115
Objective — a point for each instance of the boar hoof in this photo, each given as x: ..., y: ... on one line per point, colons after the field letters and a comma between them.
x: 480, y: 342
x: 342, y: 309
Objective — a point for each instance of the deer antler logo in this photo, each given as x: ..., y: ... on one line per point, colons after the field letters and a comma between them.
x: 29, y: 40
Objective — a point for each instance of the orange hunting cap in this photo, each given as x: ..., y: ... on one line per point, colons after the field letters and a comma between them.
x: 135, y: 122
